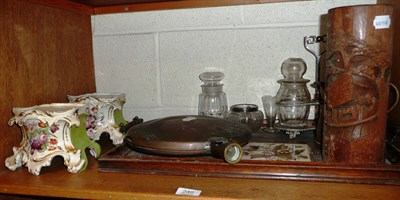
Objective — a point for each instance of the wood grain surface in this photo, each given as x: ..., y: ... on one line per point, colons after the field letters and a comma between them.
x: 45, y: 54
x: 55, y: 181
x: 357, y: 75
x: 121, y: 6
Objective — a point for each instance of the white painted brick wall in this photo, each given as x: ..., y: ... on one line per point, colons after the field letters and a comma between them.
x: 156, y: 57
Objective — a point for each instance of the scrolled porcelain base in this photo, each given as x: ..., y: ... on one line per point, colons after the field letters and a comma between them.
x: 34, y: 163
x: 105, y: 114
x: 48, y: 131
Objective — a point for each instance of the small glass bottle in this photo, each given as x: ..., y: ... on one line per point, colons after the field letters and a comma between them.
x: 212, y: 100
x: 246, y: 114
x: 293, y: 97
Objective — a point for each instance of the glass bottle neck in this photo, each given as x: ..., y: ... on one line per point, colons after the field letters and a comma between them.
x: 212, y: 89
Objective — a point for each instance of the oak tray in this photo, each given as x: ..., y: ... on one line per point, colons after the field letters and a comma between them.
x: 123, y: 159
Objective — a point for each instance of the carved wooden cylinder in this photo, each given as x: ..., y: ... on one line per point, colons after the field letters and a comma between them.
x: 359, y: 58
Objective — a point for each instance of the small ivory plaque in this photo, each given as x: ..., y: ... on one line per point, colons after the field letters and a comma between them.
x: 382, y: 22
x: 188, y: 192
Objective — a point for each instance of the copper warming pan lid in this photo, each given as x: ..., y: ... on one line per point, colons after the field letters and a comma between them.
x: 190, y: 135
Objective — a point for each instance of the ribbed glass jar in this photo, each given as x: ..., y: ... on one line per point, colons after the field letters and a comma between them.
x: 212, y: 100
x: 247, y: 114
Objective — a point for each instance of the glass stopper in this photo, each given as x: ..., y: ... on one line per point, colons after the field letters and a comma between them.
x: 293, y: 69
x: 211, y: 78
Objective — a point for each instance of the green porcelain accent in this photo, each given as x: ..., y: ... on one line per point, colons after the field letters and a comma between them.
x: 81, y: 141
x: 119, y: 117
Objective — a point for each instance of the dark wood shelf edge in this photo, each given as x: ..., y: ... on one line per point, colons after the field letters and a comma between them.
x: 56, y: 182
x: 137, y: 7
x: 182, y: 4
x: 64, y: 5
x: 74, y: 193
x: 379, y: 175
x: 320, y: 179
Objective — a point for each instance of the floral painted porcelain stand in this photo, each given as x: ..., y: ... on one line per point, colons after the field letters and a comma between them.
x: 51, y: 130
x: 105, y: 114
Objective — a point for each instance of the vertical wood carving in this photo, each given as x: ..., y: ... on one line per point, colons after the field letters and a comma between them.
x: 358, y: 68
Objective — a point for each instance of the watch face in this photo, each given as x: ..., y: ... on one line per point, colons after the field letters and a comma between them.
x: 184, y: 135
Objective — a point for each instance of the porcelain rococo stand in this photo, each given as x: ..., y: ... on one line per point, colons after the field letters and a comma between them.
x: 51, y: 130
x: 105, y: 114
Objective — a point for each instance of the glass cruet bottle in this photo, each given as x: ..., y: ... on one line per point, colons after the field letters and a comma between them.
x: 212, y: 100
x: 293, y: 97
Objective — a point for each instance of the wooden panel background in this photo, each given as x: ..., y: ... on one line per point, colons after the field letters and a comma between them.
x: 394, y: 115
x: 45, y: 54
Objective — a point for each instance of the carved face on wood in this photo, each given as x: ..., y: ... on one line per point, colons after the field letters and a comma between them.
x: 354, y: 72
x: 357, y: 83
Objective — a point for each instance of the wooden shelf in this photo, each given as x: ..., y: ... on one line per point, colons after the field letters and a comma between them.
x: 55, y: 181
x: 34, y: 73
x: 93, y: 7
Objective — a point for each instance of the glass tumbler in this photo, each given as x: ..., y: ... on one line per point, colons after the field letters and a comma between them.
x: 269, y: 103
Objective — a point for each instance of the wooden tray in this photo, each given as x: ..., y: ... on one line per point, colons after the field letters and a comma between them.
x: 122, y: 159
